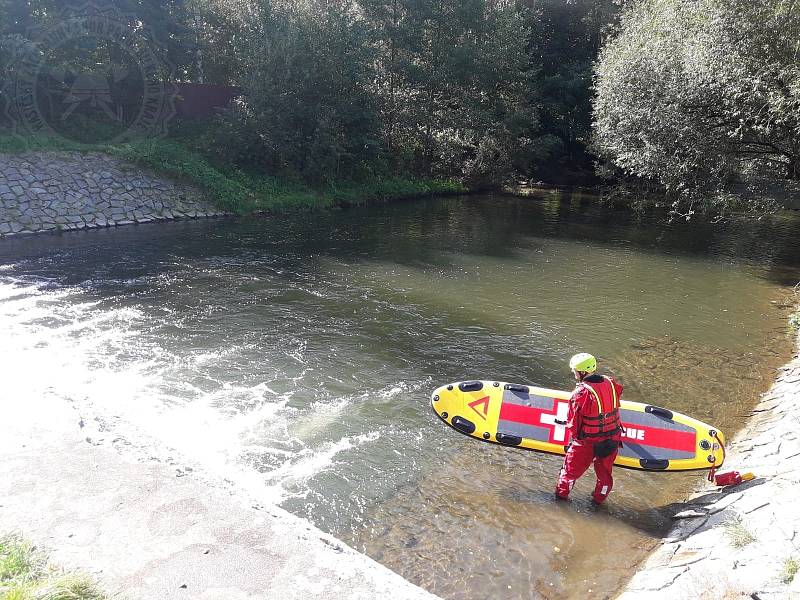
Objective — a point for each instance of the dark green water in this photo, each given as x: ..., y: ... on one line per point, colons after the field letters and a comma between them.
x: 294, y: 356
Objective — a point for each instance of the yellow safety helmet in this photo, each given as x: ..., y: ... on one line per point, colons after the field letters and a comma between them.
x: 583, y: 362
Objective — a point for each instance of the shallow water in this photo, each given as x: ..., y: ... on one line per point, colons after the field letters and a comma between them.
x: 295, y: 355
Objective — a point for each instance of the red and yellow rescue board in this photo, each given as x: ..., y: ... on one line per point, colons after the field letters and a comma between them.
x: 655, y: 439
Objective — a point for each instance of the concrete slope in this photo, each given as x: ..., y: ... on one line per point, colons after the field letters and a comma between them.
x: 148, y: 534
x: 740, y: 541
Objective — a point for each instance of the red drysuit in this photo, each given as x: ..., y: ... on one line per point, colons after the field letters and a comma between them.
x: 593, y: 421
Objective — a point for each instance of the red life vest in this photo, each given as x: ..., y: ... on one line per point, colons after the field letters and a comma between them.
x: 601, y: 417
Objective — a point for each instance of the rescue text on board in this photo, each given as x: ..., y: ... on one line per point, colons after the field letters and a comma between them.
x: 634, y: 434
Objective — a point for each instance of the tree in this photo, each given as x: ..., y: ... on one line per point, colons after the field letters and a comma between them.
x: 307, y: 108
x: 33, y: 32
x: 694, y: 94
x: 344, y: 87
x: 452, y: 82
x: 479, y: 90
x: 565, y: 40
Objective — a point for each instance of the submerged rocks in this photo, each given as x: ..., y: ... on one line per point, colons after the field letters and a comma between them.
x: 44, y: 191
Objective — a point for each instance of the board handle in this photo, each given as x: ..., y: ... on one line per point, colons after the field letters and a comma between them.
x: 463, y: 425
x: 508, y: 440
x: 658, y: 411
x: 470, y: 386
x: 654, y: 464
x: 516, y: 387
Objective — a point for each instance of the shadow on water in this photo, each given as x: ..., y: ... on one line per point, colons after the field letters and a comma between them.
x: 425, y: 234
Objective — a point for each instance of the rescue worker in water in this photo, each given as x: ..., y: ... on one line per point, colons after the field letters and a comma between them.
x: 595, y: 428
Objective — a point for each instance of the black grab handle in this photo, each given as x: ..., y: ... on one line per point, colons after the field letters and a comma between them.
x: 658, y: 411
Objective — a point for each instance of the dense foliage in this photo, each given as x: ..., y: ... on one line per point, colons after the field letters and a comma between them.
x: 691, y: 96
x: 700, y: 94
x: 343, y: 87
x: 565, y: 41
x: 478, y: 90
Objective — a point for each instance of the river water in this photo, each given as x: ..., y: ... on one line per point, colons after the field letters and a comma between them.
x: 294, y: 357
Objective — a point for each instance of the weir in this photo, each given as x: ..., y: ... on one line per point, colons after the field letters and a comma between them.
x: 148, y: 530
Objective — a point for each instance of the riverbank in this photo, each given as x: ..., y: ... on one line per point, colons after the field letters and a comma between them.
x: 147, y: 530
x: 224, y: 186
x: 64, y: 191
x: 739, y: 541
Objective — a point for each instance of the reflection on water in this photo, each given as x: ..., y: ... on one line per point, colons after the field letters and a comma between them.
x: 295, y: 355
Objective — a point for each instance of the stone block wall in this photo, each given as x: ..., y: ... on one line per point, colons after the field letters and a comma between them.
x: 48, y: 191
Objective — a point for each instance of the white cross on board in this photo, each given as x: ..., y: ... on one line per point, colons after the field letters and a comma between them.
x: 559, y: 431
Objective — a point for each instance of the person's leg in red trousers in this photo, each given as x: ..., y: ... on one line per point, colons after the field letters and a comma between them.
x: 602, y: 467
x: 578, y: 458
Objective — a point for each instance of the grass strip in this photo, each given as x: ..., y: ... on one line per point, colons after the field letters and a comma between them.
x: 236, y: 191
x: 25, y: 575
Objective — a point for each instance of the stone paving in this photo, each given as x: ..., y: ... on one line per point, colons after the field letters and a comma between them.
x: 63, y: 191
x: 740, y: 541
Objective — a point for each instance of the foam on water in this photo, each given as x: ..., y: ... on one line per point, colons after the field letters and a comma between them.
x: 97, y: 356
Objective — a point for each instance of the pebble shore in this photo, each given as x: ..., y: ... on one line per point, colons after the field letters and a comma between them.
x: 65, y: 191
x: 739, y: 541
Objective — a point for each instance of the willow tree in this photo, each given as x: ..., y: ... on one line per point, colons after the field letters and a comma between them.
x: 694, y: 94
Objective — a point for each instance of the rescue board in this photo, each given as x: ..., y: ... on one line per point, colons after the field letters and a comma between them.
x: 522, y: 416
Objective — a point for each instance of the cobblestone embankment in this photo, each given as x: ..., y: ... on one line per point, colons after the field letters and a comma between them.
x: 741, y: 541
x: 63, y: 191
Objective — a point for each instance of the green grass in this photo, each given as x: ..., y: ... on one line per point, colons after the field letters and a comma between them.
x: 790, y: 568
x: 171, y: 158
x: 11, y: 144
x: 25, y: 575
x: 17, y: 559
x: 738, y: 534
x: 235, y: 191
x: 241, y: 192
